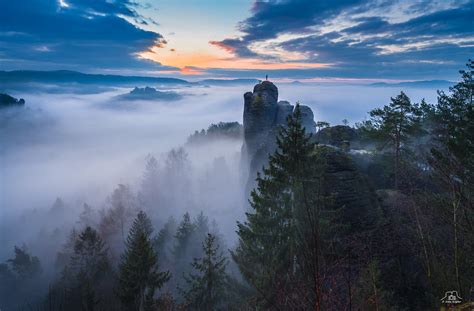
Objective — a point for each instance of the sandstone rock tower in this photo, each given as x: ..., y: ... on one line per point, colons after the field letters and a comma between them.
x: 263, y: 114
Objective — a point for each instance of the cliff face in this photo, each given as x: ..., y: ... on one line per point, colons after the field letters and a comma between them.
x: 263, y: 115
x: 349, y: 189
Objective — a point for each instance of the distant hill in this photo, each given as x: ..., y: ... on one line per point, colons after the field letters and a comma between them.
x: 150, y: 93
x: 7, y: 101
x: 66, y: 76
x: 420, y: 84
x: 228, y: 82
x: 296, y: 82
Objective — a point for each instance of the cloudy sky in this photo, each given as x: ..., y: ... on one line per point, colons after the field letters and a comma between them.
x: 294, y: 39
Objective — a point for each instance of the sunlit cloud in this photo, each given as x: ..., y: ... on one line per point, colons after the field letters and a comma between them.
x: 197, y: 62
x: 43, y: 48
x: 63, y: 4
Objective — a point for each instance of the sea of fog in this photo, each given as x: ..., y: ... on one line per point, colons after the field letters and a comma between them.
x: 79, y: 146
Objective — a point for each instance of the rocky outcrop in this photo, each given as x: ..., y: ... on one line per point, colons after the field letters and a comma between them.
x: 349, y: 190
x: 339, y: 136
x: 263, y: 115
x: 7, y: 101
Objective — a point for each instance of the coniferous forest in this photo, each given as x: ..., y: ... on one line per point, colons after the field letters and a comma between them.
x: 374, y: 216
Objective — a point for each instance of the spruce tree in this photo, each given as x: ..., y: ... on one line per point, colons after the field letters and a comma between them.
x: 87, y: 271
x: 183, y: 248
x: 452, y: 163
x: 201, y: 225
x: 201, y: 229
x: 269, y: 252
x: 183, y: 235
x: 25, y: 265
x: 163, y: 242
x: 116, y: 220
x: 206, y: 284
x: 139, y: 275
x: 150, y: 191
x: 393, y: 126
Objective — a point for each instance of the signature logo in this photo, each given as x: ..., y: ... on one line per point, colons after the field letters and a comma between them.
x: 451, y: 298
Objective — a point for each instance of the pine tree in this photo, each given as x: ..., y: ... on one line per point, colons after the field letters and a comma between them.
x: 183, y: 248
x: 116, y: 220
x: 393, y: 126
x: 452, y: 160
x: 370, y: 294
x: 206, y: 285
x: 270, y: 252
x: 139, y: 275
x: 183, y: 236
x: 25, y: 265
x: 88, y: 270
x: 20, y: 277
x: 177, y: 189
x: 201, y: 229
x: 87, y: 218
x: 150, y: 186
x: 163, y: 242
x: 201, y: 225
x: 64, y: 255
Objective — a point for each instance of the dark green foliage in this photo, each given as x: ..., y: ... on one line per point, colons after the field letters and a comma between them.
x: 20, y: 280
x: 201, y: 225
x: 164, y: 241
x: 455, y: 131
x: 452, y: 163
x: 24, y: 265
x: 393, y: 127
x: 183, y: 236
x: 86, y: 276
x: 336, y: 135
x: 298, y: 240
x: 150, y: 192
x: 64, y: 255
x: 139, y: 275
x: 207, y: 283
x: 272, y: 242
x: 370, y: 294
x: 117, y: 218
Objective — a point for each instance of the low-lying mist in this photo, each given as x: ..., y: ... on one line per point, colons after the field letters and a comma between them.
x: 79, y: 143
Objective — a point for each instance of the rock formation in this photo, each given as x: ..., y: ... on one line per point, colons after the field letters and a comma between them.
x: 263, y: 115
x: 7, y: 101
x: 350, y: 191
x: 341, y: 136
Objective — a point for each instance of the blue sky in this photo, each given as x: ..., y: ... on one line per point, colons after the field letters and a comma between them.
x: 287, y: 39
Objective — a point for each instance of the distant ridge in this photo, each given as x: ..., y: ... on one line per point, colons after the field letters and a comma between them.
x: 67, y: 76
x: 226, y: 82
x: 421, y: 84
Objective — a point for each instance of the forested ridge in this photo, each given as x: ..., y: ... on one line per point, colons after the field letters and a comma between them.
x: 379, y: 216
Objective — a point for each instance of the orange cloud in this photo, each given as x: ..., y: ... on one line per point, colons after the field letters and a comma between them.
x: 191, y: 62
x: 223, y: 46
x: 191, y: 71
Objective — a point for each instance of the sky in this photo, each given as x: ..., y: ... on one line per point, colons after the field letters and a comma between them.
x: 286, y: 39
